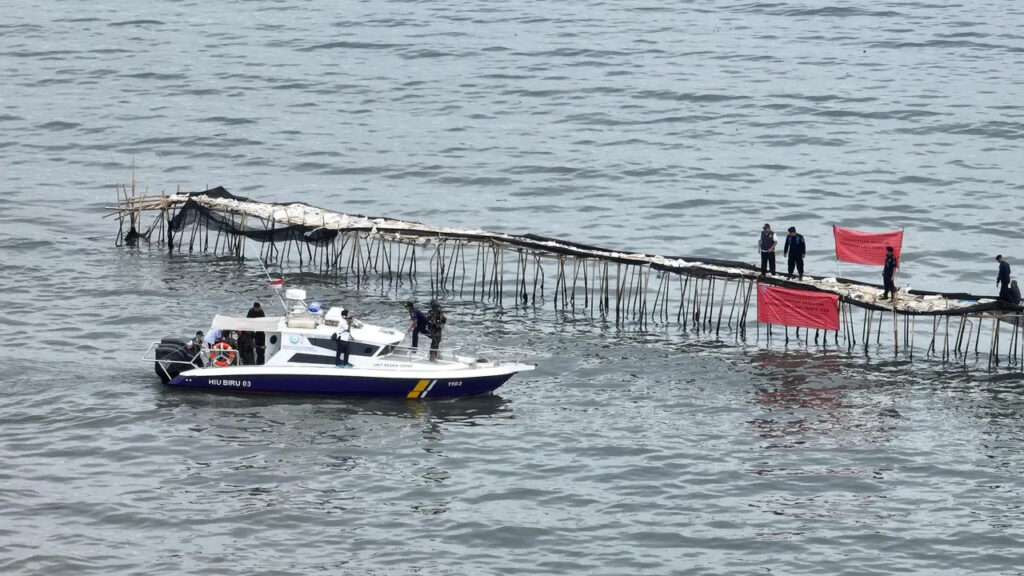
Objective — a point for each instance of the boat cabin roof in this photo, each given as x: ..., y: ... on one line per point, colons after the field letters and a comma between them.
x: 265, y: 324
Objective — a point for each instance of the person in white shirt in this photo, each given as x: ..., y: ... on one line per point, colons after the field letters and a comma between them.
x: 342, y: 336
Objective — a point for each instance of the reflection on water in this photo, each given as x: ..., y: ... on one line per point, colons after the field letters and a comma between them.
x: 251, y: 454
x: 814, y: 397
x: 268, y: 419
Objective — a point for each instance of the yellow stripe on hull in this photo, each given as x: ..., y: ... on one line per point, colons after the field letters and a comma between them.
x: 418, y: 389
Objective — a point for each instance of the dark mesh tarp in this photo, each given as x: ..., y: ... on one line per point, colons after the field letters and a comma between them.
x: 191, y: 212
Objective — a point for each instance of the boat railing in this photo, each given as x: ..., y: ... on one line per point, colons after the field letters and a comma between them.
x: 150, y: 355
x: 202, y: 357
x: 461, y: 355
x: 398, y: 351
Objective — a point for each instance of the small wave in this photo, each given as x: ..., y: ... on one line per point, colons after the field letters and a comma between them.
x: 429, y: 54
x: 43, y: 54
x: 669, y: 95
x: 228, y: 121
x: 694, y: 203
x: 58, y: 125
x: 136, y: 23
x: 154, y: 76
x: 349, y: 46
x: 533, y: 169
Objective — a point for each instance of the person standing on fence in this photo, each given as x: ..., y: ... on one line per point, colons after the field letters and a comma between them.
x: 888, y: 271
x: 435, y: 323
x: 795, y: 249
x: 766, y: 245
x: 1003, y: 278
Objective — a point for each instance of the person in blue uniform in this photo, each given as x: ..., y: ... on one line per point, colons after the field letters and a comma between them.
x: 888, y: 271
x: 1003, y: 278
x: 418, y: 325
x: 795, y: 249
x: 766, y: 245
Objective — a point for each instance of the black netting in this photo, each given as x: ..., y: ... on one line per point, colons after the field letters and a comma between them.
x: 191, y: 213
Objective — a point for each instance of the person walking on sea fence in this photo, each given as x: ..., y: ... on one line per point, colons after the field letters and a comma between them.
x: 888, y: 271
x: 1003, y: 279
x: 795, y: 248
x: 767, y: 246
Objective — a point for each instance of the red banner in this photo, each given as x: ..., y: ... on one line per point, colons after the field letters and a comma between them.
x: 865, y: 248
x: 792, y: 307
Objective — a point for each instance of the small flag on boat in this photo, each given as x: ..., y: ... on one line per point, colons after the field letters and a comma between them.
x: 277, y: 283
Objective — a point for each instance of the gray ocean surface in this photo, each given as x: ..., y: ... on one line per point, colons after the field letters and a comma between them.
x: 672, y: 128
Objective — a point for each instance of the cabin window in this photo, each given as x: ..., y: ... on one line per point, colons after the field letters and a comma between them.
x: 354, y: 348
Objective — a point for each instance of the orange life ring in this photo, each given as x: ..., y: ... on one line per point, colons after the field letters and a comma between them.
x: 222, y: 354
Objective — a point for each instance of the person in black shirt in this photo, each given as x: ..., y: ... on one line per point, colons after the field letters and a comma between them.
x: 1003, y: 278
x: 246, y: 349
x: 418, y: 325
x: 259, y: 341
x: 1014, y: 293
x: 795, y: 248
x: 766, y: 245
x: 888, y: 271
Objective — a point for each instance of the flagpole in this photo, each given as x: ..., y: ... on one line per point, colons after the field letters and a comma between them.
x: 276, y: 287
x: 836, y: 251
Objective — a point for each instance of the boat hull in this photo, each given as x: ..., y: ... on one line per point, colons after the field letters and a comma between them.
x: 344, y: 382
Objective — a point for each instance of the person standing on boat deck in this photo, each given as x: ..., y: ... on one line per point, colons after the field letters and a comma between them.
x: 232, y: 339
x: 341, y: 338
x: 795, y: 248
x: 246, y: 348
x: 194, y: 347
x: 1014, y: 293
x: 435, y: 323
x: 888, y: 270
x: 419, y: 323
x: 259, y: 338
x: 767, y: 246
x: 1003, y: 278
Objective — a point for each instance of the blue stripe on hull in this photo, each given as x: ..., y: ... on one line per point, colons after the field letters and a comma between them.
x: 341, y: 385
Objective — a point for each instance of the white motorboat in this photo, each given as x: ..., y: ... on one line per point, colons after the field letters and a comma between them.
x: 300, y: 359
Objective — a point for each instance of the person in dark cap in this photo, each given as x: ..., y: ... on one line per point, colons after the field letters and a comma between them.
x: 259, y: 339
x: 888, y: 271
x: 795, y: 248
x: 766, y: 245
x: 1003, y: 278
x: 418, y: 325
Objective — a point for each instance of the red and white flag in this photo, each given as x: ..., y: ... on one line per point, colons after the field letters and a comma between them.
x: 792, y: 307
x: 278, y: 283
x: 864, y: 247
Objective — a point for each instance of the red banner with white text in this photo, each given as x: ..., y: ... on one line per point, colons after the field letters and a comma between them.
x: 864, y: 247
x: 792, y: 307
